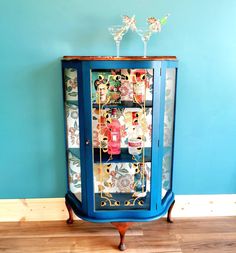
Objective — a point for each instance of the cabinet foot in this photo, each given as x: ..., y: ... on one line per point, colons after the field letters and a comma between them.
x: 122, y: 227
x: 169, y: 218
x: 70, y: 211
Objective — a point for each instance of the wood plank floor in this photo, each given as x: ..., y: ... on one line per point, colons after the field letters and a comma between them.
x: 205, y: 235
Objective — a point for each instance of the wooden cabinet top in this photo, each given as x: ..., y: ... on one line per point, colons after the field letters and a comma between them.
x: 122, y: 58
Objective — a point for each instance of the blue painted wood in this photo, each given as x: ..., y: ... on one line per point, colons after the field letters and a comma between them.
x: 155, y: 177
x: 119, y: 216
x: 173, y: 142
x: 156, y: 207
x: 81, y: 101
x: 63, y: 66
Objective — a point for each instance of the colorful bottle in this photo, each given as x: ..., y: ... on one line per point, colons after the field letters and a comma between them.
x: 139, y: 84
x: 135, y: 140
x: 114, y: 135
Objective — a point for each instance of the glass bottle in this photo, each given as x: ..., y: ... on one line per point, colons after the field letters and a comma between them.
x: 140, y: 182
x: 135, y: 141
x: 114, y: 134
x: 139, y: 84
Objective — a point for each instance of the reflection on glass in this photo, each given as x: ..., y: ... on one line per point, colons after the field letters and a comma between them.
x: 74, y: 175
x: 122, y: 119
x: 169, y: 107
x: 72, y: 117
x: 70, y: 84
x: 72, y: 128
x: 166, y: 173
x: 168, y: 130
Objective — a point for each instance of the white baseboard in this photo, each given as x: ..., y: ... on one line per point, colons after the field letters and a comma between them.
x: 204, y: 205
x: 49, y: 209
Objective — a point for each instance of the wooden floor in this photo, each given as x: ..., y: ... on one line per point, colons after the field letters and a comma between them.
x: 210, y: 235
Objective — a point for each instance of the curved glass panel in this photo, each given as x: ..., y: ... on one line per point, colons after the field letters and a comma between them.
x: 168, y: 130
x: 72, y: 130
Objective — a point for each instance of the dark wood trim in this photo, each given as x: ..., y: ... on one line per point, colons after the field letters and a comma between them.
x: 70, y: 220
x: 122, y: 58
x: 169, y: 218
x: 122, y: 227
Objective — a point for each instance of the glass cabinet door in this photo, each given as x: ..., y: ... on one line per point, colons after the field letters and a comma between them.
x: 122, y: 132
x: 72, y: 129
x: 170, y: 80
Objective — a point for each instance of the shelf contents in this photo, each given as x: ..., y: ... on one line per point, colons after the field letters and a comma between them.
x: 114, y: 134
x: 122, y: 184
x: 122, y: 85
x: 122, y: 137
x: 125, y: 116
x: 135, y: 138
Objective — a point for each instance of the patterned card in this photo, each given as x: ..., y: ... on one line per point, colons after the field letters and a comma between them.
x: 70, y: 84
x: 121, y: 177
x: 72, y: 117
x: 74, y: 175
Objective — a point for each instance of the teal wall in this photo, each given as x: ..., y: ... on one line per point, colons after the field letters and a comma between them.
x: 35, y: 34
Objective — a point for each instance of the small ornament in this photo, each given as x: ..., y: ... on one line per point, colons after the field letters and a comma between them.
x: 155, y: 24
x: 130, y: 22
x: 118, y: 31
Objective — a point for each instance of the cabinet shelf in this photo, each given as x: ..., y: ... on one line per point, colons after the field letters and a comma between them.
x: 72, y: 102
x: 148, y: 104
x: 75, y: 152
x: 123, y: 157
x: 119, y: 158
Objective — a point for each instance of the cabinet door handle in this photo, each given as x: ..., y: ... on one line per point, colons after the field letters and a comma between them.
x: 87, y: 142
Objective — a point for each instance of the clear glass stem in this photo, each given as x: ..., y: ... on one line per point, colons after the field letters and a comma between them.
x: 145, y: 49
x: 117, y: 48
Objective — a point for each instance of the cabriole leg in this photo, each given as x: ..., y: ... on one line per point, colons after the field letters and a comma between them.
x: 122, y: 227
x: 70, y: 211
x: 169, y: 218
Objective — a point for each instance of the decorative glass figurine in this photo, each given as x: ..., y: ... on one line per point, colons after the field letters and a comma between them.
x: 154, y: 25
x: 118, y: 31
x: 145, y: 35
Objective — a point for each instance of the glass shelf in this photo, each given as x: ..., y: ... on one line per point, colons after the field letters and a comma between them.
x: 125, y: 104
x: 124, y: 156
x: 72, y: 102
x: 75, y: 152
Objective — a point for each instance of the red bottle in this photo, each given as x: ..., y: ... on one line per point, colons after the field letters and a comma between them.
x: 114, y: 135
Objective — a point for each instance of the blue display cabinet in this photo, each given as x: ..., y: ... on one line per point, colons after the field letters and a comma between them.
x: 119, y: 138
